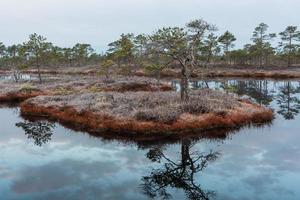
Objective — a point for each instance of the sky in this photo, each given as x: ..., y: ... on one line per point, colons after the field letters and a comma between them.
x: 99, y: 22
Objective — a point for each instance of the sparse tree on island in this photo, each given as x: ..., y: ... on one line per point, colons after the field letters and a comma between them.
x: 12, y: 52
x: 153, y: 61
x: 198, y: 31
x: 140, y: 47
x: 68, y: 56
x: 261, y: 39
x: 239, y: 56
x: 122, y: 52
x: 210, y: 47
x: 2, y: 49
x: 173, y: 42
x: 180, y: 45
x: 2, y: 52
x: 81, y: 52
x: 37, y: 48
x: 289, y: 36
x: 227, y: 40
x: 155, y: 64
x: 105, y: 67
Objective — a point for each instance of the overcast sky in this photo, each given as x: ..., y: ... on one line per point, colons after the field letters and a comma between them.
x: 98, y: 22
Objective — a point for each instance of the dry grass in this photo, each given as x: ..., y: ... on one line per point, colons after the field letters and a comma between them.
x: 129, y: 85
x: 153, y: 106
x: 167, y: 109
x: 66, y: 85
x: 216, y: 71
x: 13, y: 97
x: 145, y: 112
x: 19, y: 94
x: 250, y: 72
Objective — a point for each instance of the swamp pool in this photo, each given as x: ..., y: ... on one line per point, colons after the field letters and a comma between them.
x: 44, y: 160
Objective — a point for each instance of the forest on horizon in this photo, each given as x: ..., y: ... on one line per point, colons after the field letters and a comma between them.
x: 137, y: 51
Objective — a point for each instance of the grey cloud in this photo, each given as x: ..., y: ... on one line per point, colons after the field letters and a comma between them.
x: 99, y: 22
x: 61, y: 174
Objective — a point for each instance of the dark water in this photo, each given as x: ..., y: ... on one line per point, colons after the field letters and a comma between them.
x: 23, y: 77
x: 43, y: 160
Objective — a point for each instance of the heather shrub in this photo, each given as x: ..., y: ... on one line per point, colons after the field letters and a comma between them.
x: 94, y: 89
x: 163, y: 107
x: 27, y: 88
x: 194, y: 107
x: 165, y: 114
x: 63, y: 90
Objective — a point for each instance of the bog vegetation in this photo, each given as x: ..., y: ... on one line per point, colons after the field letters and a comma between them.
x: 141, y: 50
x: 188, y: 48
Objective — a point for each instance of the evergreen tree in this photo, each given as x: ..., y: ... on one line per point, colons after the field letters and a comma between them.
x: 261, y: 39
x: 289, y: 36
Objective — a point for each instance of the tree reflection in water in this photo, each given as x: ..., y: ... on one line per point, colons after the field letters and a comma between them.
x: 177, y: 174
x: 286, y: 96
x: 40, y: 131
x: 258, y: 90
x: 288, y: 102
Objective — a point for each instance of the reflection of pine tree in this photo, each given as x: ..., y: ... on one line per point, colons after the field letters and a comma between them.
x: 179, y: 175
x: 40, y: 131
x: 256, y: 89
x: 289, y: 104
x: 199, y: 84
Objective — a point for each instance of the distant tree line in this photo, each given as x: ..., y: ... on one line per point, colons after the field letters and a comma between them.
x: 132, y: 52
x: 261, y: 52
x: 190, y: 47
x: 197, y: 45
x: 37, y: 51
x: 208, y: 48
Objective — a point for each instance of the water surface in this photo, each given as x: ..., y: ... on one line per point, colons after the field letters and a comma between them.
x: 20, y: 77
x: 43, y: 160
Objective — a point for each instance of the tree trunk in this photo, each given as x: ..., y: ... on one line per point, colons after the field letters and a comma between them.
x: 185, y: 151
x: 158, y: 80
x: 290, y: 52
x: 184, y: 84
x: 107, y: 75
x: 39, y: 70
x: 260, y: 60
x: 16, y: 76
x: 227, y: 60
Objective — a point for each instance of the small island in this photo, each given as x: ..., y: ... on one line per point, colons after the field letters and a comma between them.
x: 140, y: 100
x: 144, y: 113
x: 129, y: 91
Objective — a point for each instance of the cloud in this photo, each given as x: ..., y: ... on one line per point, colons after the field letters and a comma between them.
x: 61, y: 174
x: 99, y: 22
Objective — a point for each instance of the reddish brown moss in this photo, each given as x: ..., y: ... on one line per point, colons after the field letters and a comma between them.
x: 250, y: 72
x: 135, y: 87
x: 90, y: 122
x: 13, y: 97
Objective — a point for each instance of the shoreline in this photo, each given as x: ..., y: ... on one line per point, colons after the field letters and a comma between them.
x: 272, y: 72
x: 99, y: 122
x: 12, y: 92
x: 90, y: 122
x: 131, y: 107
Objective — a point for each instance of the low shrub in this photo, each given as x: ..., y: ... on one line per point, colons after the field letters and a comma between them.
x: 63, y: 90
x: 27, y: 88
